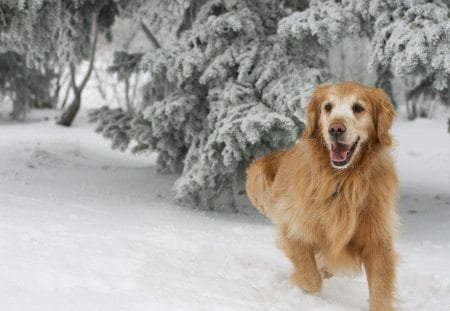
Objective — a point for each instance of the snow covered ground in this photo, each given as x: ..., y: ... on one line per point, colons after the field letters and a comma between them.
x: 83, y: 227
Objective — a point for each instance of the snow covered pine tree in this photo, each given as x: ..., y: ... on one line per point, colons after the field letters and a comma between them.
x: 237, y: 92
x: 413, y: 38
x: 25, y: 86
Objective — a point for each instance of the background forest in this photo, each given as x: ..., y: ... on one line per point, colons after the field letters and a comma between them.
x: 211, y: 84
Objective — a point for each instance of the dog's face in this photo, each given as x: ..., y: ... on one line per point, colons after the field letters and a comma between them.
x: 347, y: 117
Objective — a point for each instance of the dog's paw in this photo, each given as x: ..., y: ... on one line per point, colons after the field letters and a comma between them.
x: 381, y: 307
x: 325, y: 273
x: 310, y: 282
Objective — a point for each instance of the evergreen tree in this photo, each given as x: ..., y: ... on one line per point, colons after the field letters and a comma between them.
x: 413, y: 38
x: 24, y: 85
x: 236, y: 91
x: 407, y: 38
x: 47, y: 30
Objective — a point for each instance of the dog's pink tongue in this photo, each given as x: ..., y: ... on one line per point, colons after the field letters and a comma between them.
x: 339, y: 152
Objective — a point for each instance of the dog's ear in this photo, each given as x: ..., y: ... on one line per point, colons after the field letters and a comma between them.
x: 313, y: 111
x: 384, y: 116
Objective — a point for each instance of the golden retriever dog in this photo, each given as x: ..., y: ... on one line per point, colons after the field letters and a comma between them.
x: 332, y: 195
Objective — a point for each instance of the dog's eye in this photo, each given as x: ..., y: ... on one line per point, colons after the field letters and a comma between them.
x: 357, y: 108
x: 328, y: 107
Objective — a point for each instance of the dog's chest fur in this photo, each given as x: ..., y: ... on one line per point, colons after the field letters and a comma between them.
x: 330, y: 207
x: 327, y: 213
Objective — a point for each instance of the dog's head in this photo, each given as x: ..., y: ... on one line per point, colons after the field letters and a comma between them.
x: 348, y: 117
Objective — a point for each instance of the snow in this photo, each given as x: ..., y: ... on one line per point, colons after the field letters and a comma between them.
x: 83, y: 227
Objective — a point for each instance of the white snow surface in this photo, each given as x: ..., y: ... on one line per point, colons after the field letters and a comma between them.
x: 83, y: 227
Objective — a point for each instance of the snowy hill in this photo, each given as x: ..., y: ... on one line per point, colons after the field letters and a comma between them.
x: 86, y: 228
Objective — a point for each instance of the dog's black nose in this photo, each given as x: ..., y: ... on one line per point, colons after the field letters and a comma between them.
x: 336, y: 129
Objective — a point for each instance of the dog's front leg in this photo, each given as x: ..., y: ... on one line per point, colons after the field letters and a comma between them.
x: 379, y: 262
x: 301, y: 254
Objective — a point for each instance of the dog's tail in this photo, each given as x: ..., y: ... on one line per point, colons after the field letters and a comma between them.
x: 260, y: 176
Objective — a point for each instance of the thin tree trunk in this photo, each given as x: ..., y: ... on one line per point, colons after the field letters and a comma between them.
x: 66, y: 96
x: 135, y: 87
x: 2, y: 17
x: 59, y: 84
x: 100, y: 84
x: 127, y: 95
x: 71, y: 112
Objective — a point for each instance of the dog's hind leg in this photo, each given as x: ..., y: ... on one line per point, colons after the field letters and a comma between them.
x: 306, y: 274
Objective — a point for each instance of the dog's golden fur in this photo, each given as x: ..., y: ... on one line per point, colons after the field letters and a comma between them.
x: 329, y: 218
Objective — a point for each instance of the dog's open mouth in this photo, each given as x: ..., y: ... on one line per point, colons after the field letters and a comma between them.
x: 341, y: 153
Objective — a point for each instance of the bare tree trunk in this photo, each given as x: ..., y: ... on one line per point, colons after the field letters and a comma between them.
x: 127, y: 95
x: 2, y: 17
x: 70, y: 113
x: 66, y: 96
x: 100, y: 84
x: 411, y: 109
x: 54, y: 99
x: 60, y: 82
x: 116, y: 94
x: 135, y: 87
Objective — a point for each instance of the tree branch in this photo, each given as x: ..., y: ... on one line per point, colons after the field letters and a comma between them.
x: 94, y: 33
x: 2, y: 15
x: 150, y: 35
x: 72, y: 77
